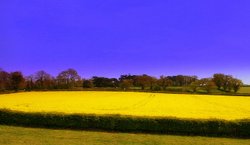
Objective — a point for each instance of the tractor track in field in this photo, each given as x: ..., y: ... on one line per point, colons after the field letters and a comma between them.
x: 136, y: 105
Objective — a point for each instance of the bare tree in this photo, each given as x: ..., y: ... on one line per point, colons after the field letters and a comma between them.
x: 68, y: 78
x: 43, y: 80
x: 29, y: 81
x: 144, y: 81
x: 4, y: 80
x: 17, y: 80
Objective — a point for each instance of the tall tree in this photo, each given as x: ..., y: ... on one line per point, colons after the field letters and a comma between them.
x: 128, y: 77
x: 4, y: 80
x: 219, y: 79
x: 43, y: 80
x: 17, y: 80
x: 125, y: 84
x: 207, y: 84
x: 144, y: 81
x: 68, y: 78
x: 164, y: 82
x: 236, y: 84
x: 181, y: 80
x: 227, y: 83
x: 29, y: 81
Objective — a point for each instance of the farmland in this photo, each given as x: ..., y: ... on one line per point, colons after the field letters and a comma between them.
x: 130, y: 103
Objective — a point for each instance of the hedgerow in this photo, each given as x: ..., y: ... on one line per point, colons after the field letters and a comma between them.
x: 121, y: 123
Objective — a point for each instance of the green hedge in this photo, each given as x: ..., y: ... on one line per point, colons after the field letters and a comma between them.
x: 238, y: 128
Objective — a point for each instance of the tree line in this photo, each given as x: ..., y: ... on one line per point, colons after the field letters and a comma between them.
x: 69, y: 79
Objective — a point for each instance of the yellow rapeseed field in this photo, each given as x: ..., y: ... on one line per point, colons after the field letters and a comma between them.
x: 130, y: 103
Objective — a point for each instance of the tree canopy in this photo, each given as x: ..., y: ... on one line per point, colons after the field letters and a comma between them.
x: 70, y: 79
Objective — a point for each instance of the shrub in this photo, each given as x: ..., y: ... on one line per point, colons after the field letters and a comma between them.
x: 213, y: 127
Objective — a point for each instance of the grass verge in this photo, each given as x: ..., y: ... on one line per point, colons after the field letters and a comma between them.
x: 10, y: 135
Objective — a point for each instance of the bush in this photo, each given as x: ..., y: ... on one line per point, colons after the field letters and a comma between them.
x: 239, y: 128
x: 156, y: 88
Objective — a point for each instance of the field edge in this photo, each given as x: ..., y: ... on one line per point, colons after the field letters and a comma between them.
x: 122, y: 123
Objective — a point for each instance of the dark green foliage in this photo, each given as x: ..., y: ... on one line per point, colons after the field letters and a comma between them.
x: 105, y: 82
x: 218, y: 80
x: 213, y: 127
x: 174, y: 89
x: 87, y: 84
x: 236, y: 84
x: 227, y: 82
x: 194, y: 86
x: 156, y: 88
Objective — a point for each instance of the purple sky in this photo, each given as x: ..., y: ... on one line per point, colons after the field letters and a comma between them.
x: 113, y: 37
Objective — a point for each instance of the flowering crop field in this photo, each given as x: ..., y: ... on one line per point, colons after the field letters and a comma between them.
x: 130, y: 103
